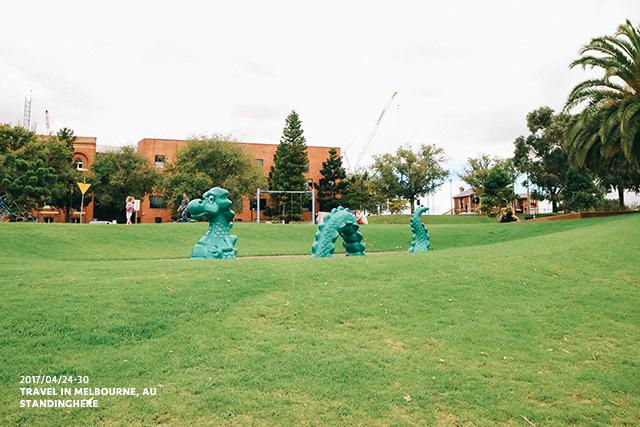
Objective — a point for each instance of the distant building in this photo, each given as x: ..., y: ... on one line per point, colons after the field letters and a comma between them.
x: 162, y: 151
x: 466, y: 202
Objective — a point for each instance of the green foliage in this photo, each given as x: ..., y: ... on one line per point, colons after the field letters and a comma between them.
x: 117, y: 175
x: 287, y: 174
x: 498, y: 190
x: 580, y: 192
x: 541, y: 155
x: 38, y: 171
x: 538, y: 322
x: 605, y: 136
x: 68, y: 136
x: 29, y: 182
x: 476, y: 171
x: 13, y: 138
x: 360, y: 193
x: 212, y: 161
x: 333, y: 182
x: 409, y: 174
x: 57, y: 154
x: 609, y: 205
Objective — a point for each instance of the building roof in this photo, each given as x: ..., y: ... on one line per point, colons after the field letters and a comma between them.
x: 465, y: 193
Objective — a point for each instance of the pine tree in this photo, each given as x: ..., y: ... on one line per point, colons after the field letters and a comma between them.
x: 287, y: 174
x: 333, y: 183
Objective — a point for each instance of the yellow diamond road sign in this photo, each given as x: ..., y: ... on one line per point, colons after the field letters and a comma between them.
x: 83, y: 187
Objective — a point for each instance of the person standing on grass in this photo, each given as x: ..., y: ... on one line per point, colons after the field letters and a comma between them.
x: 183, y: 206
x: 129, y: 209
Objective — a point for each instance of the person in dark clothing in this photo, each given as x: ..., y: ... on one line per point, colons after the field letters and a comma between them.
x: 183, y: 207
x: 510, y: 216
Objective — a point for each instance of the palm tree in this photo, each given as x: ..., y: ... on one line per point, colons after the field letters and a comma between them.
x: 609, y: 125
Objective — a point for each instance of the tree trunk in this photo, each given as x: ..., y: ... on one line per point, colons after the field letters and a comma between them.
x: 67, y: 214
x: 621, y: 196
x: 411, y: 200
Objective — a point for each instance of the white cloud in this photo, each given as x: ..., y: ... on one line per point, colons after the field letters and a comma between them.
x: 466, y: 72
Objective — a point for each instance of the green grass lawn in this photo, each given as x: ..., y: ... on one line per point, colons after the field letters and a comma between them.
x: 498, y: 323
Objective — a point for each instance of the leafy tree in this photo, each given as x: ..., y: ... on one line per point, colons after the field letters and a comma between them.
x: 360, y: 193
x: 393, y: 206
x: 67, y: 135
x: 119, y: 174
x: 28, y: 182
x: 580, y: 192
x: 618, y: 176
x: 333, y: 182
x: 476, y: 172
x: 287, y: 174
x: 13, y: 138
x: 37, y: 171
x: 498, y: 190
x: 409, y: 175
x: 608, y: 128
x: 212, y: 161
x: 57, y: 154
x: 541, y: 155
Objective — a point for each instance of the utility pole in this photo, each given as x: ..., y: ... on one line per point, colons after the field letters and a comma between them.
x: 46, y: 113
x: 451, y: 195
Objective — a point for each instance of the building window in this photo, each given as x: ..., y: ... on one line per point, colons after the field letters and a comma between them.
x: 160, y: 161
x: 155, y: 202
x: 260, y: 162
x: 80, y: 164
x: 309, y: 184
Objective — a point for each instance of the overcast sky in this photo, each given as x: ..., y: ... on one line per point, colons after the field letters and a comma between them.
x: 466, y: 72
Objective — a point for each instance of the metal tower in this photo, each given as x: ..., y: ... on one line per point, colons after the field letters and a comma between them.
x: 26, y: 121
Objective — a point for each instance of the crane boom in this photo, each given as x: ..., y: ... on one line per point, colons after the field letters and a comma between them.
x: 365, y: 147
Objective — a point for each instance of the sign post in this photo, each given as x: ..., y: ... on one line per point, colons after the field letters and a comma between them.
x: 83, y: 187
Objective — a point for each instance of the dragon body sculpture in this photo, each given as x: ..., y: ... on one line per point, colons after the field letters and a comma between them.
x: 218, y: 243
x: 420, y: 239
x: 340, y: 222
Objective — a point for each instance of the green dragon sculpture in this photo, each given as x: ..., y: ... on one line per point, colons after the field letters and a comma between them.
x: 420, y: 239
x: 218, y: 243
x: 340, y: 222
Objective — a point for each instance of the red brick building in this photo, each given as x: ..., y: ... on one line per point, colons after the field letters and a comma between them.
x: 466, y: 202
x: 162, y: 151
x: 84, y: 151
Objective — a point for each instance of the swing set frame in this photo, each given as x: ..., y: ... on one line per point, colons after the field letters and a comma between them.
x: 313, y: 202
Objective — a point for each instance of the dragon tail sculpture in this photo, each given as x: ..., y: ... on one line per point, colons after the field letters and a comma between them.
x: 420, y: 239
x: 340, y: 222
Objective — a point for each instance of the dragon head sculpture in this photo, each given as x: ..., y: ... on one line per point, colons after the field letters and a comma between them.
x: 215, y: 207
x: 213, y: 203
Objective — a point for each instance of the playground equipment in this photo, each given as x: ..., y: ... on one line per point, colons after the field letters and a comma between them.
x: 12, y: 210
x: 313, y: 201
x: 420, y: 239
x: 340, y: 222
x: 218, y: 243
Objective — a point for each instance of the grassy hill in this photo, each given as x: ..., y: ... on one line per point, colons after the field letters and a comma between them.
x: 498, y: 323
